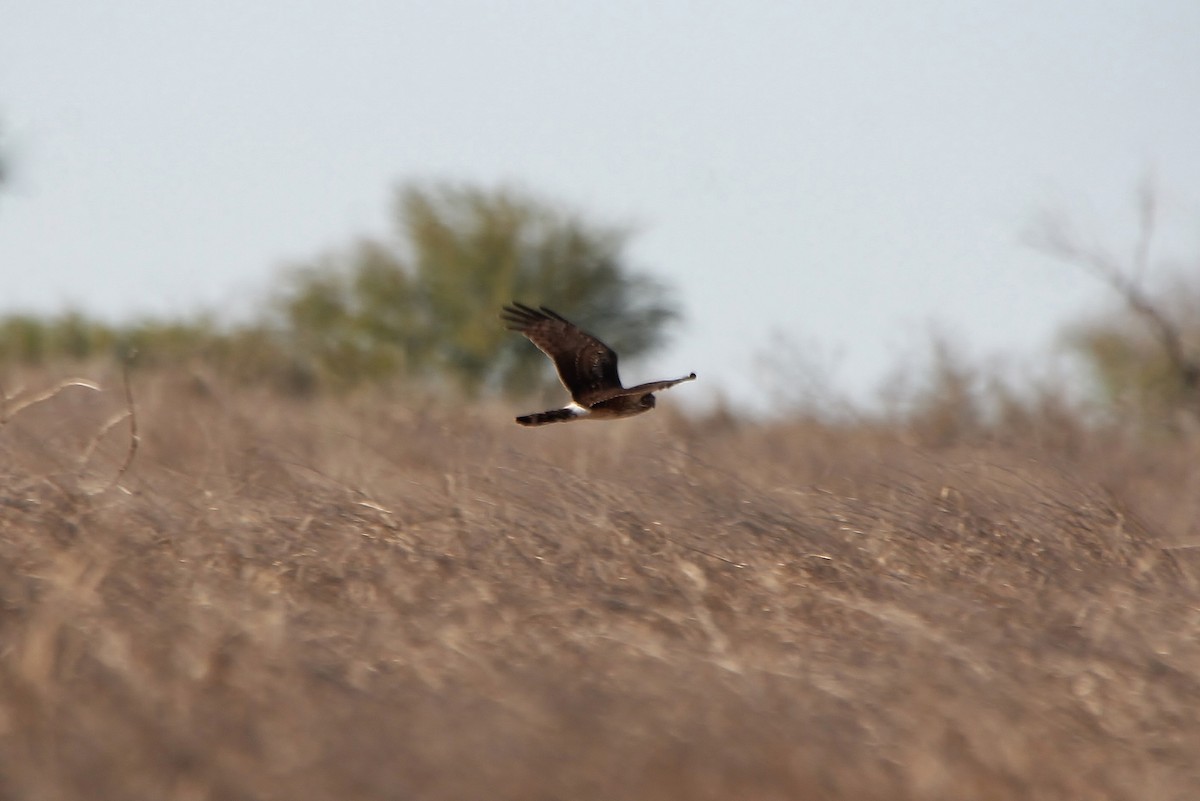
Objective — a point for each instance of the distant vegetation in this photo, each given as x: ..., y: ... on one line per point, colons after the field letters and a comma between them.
x: 1144, y: 355
x: 249, y: 354
x: 421, y: 305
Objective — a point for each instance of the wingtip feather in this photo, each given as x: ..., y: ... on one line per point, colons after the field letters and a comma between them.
x: 519, y: 316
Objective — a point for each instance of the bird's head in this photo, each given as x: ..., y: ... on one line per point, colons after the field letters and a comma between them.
x: 648, y: 400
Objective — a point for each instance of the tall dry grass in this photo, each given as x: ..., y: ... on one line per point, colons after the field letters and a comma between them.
x: 380, y: 599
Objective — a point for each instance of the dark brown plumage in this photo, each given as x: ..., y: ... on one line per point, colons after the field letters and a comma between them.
x: 586, y: 366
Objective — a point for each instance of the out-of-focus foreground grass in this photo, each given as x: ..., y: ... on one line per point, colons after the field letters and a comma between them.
x: 374, y: 598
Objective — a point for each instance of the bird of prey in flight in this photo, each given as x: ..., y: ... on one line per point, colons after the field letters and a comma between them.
x: 586, y: 366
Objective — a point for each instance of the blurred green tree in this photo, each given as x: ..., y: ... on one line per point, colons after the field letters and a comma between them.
x: 426, y: 304
x: 1133, y: 368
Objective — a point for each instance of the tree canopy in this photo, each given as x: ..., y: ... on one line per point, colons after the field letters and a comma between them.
x: 425, y: 303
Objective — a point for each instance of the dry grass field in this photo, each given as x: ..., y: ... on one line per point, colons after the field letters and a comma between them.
x: 374, y: 598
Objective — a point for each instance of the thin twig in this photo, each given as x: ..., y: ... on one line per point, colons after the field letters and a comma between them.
x: 87, y: 452
x: 703, y: 552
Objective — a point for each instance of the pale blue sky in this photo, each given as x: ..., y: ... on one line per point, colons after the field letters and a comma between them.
x: 843, y: 173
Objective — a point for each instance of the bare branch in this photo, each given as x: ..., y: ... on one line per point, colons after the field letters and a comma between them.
x: 1053, y: 237
x: 109, y: 426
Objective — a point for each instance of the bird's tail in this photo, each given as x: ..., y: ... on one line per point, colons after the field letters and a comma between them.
x: 551, y: 416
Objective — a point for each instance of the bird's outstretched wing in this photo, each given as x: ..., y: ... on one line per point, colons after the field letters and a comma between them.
x: 656, y: 386
x: 586, y: 366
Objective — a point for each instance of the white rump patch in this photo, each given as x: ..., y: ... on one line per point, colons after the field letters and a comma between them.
x: 576, y: 409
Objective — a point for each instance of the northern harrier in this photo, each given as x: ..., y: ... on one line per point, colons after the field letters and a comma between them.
x: 586, y: 366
